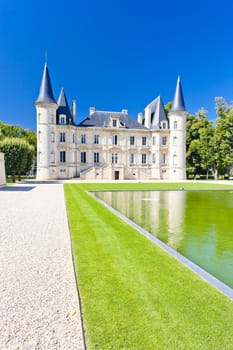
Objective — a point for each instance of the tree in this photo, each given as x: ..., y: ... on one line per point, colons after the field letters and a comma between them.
x: 199, y: 144
x: 18, y: 156
x: 8, y: 130
x: 223, y: 138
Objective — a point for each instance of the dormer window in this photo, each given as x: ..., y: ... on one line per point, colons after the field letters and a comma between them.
x: 62, y: 119
x: 164, y: 125
x: 114, y: 120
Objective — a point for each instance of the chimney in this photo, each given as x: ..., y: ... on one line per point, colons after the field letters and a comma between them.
x: 91, y: 110
x: 74, y: 110
x: 124, y: 111
x: 140, y: 117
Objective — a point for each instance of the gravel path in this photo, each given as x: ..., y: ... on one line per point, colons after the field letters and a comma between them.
x: 39, y: 306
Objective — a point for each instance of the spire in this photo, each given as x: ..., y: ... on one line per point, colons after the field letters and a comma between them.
x: 178, y: 101
x: 63, y: 106
x: 46, y: 92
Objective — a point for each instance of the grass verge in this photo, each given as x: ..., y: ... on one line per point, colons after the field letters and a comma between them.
x: 135, y: 296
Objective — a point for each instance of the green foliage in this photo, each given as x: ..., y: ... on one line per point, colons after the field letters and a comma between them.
x: 223, y: 138
x: 199, y: 143
x: 18, y: 156
x: 168, y: 107
x: 19, y: 146
x: 8, y: 130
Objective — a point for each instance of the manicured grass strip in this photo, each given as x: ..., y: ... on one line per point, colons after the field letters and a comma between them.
x: 134, y: 296
x: 150, y: 186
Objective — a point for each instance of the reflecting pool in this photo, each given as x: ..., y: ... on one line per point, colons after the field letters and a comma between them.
x: 198, y: 224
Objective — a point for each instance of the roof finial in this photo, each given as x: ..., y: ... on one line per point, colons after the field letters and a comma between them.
x: 46, y: 58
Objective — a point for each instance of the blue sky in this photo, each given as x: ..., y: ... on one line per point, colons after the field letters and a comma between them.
x: 114, y: 54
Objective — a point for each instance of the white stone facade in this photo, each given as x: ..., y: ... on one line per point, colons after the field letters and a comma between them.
x: 2, y: 170
x: 109, y: 145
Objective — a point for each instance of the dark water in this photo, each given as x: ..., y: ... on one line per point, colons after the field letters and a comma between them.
x: 198, y: 224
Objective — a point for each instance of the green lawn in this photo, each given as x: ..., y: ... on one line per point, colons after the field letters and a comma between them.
x: 135, y: 296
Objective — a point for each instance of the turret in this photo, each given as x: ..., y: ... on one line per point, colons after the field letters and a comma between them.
x: 155, y: 114
x: 46, y: 107
x: 63, y: 110
x: 177, y: 123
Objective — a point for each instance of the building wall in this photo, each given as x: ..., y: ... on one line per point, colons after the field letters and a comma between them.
x: 2, y: 170
x: 63, y: 154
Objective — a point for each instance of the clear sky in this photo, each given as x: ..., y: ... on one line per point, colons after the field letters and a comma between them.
x: 114, y: 54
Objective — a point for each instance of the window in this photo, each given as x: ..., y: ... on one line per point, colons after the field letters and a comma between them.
x: 163, y: 158
x: 83, y: 157
x: 39, y: 136
x: 174, y: 159
x: 114, y: 123
x: 131, y: 158
x: 143, y: 158
x: 153, y: 140
x: 175, y: 124
x: 153, y: 158
x: 114, y: 158
x: 144, y: 140
x: 164, y: 125
x: 62, y: 119
x: 52, y: 137
x: 73, y: 138
x: 39, y: 114
x: 114, y: 140
x: 39, y: 156
x: 83, y: 138
x: 96, y: 139
x: 62, y: 137
x: 96, y: 157
x: 131, y: 140
x: 174, y: 140
x: 52, y: 157
x: 62, y: 156
x: 164, y: 140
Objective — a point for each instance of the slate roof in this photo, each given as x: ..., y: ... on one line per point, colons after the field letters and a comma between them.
x: 178, y: 104
x: 63, y: 105
x: 46, y: 91
x: 102, y: 119
x: 158, y: 113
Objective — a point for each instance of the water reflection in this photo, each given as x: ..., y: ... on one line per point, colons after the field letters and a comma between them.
x: 198, y: 224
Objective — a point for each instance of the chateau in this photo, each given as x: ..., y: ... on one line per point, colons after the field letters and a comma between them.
x: 109, y: 145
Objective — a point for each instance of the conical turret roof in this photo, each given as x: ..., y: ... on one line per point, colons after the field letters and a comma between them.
x: 178, y: 104
x: 46, y: 91
x: 158, y: 113
x: 63, y: 106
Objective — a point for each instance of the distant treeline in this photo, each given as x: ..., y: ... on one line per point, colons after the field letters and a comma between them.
x: 19, y: 146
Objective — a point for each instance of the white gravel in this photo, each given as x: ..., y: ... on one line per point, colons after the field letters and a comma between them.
x: 39, y: 305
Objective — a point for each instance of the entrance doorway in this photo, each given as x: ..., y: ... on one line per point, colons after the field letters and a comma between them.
x: 116, y: 175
